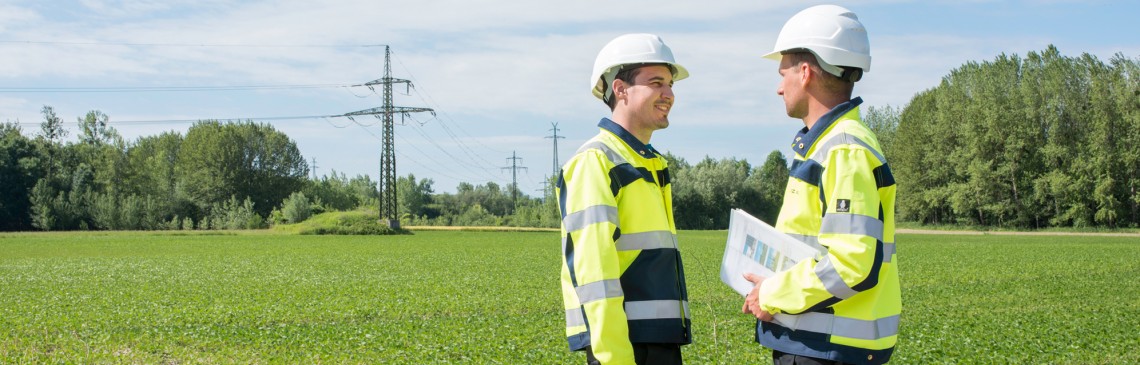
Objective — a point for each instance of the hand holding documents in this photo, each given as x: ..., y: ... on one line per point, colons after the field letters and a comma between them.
x: 754, y: 246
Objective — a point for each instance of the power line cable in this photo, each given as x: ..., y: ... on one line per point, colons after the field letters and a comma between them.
x: 433, y: 102
x: 408, y: 143
x: 444, y: 150
x: 145, y: 44
x: 123, y: 89
x: 166, y: 121
x: 475, y: 156
x: 417, y: 162
x: 329, y: 121
x: 427, y: 167
x: 470, y: 168
x: 353, y: 119
x: 462, y: 147
x: 406, y: 156
x: 372, y: 92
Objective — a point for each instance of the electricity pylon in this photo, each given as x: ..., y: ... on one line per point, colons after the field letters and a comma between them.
x: 386, y: 114
x: 514, y: 167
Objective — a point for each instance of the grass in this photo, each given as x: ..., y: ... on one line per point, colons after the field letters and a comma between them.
x: 442, y: 297
x: 951, y: 228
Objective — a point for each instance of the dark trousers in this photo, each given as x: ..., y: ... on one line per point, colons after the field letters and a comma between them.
x: 783, y: 358
x: 647, y: 354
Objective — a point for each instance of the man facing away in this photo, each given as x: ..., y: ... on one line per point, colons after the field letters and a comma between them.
x: 623, y: 284
x: 844, y: 307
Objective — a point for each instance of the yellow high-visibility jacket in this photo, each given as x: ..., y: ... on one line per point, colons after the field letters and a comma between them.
x: 840, y: 198
x: 622, y: 278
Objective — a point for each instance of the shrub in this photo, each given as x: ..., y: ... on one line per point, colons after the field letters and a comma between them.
x: 296, y: 208
x: 234, y: 215
x: 342, y: 223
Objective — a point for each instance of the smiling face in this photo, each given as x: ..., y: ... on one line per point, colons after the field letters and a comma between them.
x: 644, y: 105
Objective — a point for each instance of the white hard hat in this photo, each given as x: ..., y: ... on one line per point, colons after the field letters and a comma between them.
x: 626, y: 50
x: 833, y: 33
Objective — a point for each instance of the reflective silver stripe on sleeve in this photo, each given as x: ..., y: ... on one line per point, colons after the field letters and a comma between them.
x: 843, y: 223
x: 609, y: 152
x: 841, y: 326
x: 575, y: 318
x: 888, y: 251
x: 831, y: 280
x: 656, y: 309
x: 821, y: 149
x: 590, y: 215
x: 599, y: 290
x: 812, y: 241
x: 646, y: 240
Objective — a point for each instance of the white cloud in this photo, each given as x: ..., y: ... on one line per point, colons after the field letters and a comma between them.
x: 500, y: 71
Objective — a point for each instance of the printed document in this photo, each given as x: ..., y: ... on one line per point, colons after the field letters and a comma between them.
x: 754, y: 246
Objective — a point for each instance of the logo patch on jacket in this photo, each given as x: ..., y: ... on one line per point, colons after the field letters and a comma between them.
x: 843, y: 205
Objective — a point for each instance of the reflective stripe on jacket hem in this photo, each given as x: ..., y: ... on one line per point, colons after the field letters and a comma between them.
x: 828, y: 323
x: 640, y: 310
x: 656, y: 309
x: 818, y: 345
x: 575, y: 318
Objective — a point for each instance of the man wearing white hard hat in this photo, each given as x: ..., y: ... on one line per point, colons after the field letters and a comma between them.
x: 623, y: 285
x: 844, y: 306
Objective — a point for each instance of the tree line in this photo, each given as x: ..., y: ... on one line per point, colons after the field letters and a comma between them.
x: 217, y: 175
x: 1040, y: 141
x: 246, y: 175
x: 703, y: 194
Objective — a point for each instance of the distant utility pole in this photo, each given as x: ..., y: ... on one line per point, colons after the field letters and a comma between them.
x: 555, y: 137
x: 314, y: 167
x: 546, y: 188
x: 386, y: 114
x: 514, y: 167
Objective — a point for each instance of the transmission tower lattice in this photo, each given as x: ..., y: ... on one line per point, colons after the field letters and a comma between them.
x: 555, y: 137
x: 514, y: 167
x: 386, y: 114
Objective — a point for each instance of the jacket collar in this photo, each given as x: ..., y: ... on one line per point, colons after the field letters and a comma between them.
x: 642, y: 149
x: 807, y: 137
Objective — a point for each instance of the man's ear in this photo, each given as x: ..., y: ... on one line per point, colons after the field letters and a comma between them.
x: 619, y: 88
x: 807, y: 74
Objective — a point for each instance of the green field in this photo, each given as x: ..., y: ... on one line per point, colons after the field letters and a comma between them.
x: 493, y: 298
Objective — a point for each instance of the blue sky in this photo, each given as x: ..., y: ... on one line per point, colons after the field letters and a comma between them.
x: 498, y: 72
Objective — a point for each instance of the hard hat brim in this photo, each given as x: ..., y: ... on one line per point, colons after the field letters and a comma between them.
x: 679, y: 73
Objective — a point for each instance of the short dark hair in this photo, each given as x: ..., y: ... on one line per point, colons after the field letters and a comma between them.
x: 830, y: 82
x: 627, y: 73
